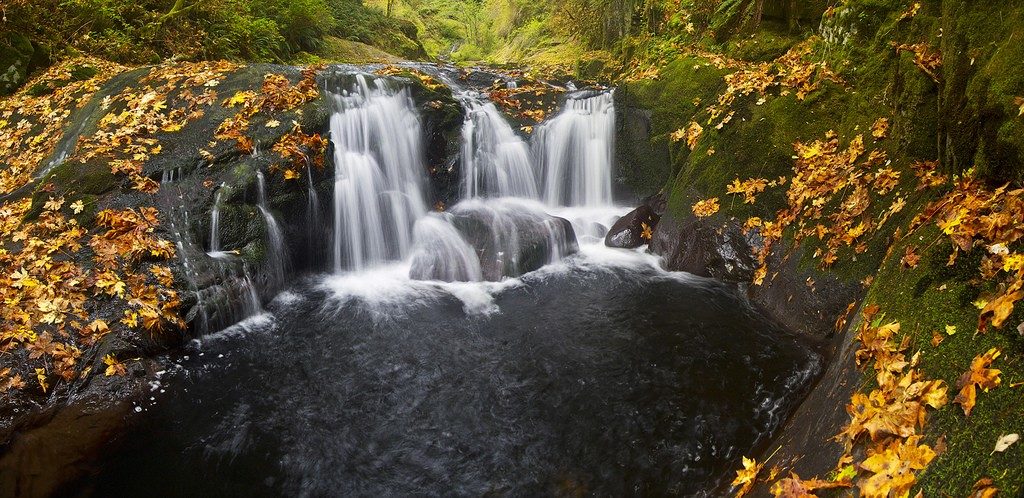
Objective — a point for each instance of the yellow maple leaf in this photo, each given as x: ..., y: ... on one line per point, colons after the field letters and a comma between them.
x: 894, y: 467
x: 646, y: 233
x: 979, y: 375
x: 706, y: 207
x: 41, y: 378
x: 880, y: 129
x: 114, y: 367
x: 77, y: 206
x: 53, y: 204
x: 745, y: 478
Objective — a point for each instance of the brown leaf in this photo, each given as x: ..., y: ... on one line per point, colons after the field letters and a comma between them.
x: 979, y: 376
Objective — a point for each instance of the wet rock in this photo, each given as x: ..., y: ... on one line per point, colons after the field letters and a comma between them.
x: 513, y: 237
x: 628, y: 232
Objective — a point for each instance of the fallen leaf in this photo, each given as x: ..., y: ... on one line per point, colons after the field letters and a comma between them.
x: 1004, y: 442
x: 705, y: 208
x: 978, y: 376
x: 984, y: 488
x: 745, y: 478
x: 880, y: 129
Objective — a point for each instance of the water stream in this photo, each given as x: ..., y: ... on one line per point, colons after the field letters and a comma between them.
x: 495, y: 348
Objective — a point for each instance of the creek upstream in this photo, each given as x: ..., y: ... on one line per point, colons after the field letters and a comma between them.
x: 497, y: 347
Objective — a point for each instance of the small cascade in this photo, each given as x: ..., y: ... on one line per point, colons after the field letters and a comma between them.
x: 215, y: 220
x: 312, y: 215
x: 220, y: 282
x: 507, y: 236
x: 576, y: 150
x: 379, y: 172
x: 277, y: 257
x: 495, y: 161
x: 170, y: 175
x: 441, y: 252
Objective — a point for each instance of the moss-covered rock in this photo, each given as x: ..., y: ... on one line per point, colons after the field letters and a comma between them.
x: 19, y: 56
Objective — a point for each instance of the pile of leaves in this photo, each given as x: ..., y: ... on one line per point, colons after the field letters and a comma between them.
x: 828, y: 197
x: 70, y: 275
x: 973, y: 215
x: 889, y: 420
x: 793, y: 71
x: 277, y: 94
x: 30, y: 125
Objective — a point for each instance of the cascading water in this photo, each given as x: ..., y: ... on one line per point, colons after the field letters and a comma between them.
x: 441, y: 252
x: 495, y: 161
x: 587, y: 375
x: 215, y: 220
x: 379, y: 172
x: 576, y: 149
x: 277, y: 257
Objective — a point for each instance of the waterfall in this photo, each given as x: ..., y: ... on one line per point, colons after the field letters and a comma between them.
x: 215, y: 220
x: 442, y: 253
x: 576, y: 150
x: 277, y: 252
x: 314, y: 230
x: 495, y: 161
x: 379, y: 173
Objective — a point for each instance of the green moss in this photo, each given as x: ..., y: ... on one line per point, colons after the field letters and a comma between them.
x: 762, y: 46
x: 82, y: 72
x: 927, y: 299
x: 86, y: 181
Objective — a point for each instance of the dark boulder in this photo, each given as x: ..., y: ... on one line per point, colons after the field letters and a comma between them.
x: 513, y: 237
x: 628, y: 232
x: 18, y: 58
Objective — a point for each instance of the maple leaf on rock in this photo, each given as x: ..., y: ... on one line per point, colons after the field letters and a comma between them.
x: 893, y: 468
x: 979, y: 376
x: 114, y: 367
x: 745, y: 477
x: 705, y: 208
x: 794, y: 487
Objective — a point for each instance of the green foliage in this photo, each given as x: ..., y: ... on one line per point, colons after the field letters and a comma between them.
x: 148, y: 31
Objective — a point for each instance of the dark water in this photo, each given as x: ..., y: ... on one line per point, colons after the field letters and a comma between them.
x: 594, y: 379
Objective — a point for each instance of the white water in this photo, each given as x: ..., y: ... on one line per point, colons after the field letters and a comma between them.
x: 442, y: 253
x: 277, y: 260
x: 380, y: 216
x: 215, y: 220
x: 495, y: 161
x: 576, y: 150
x: 379, y: 170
